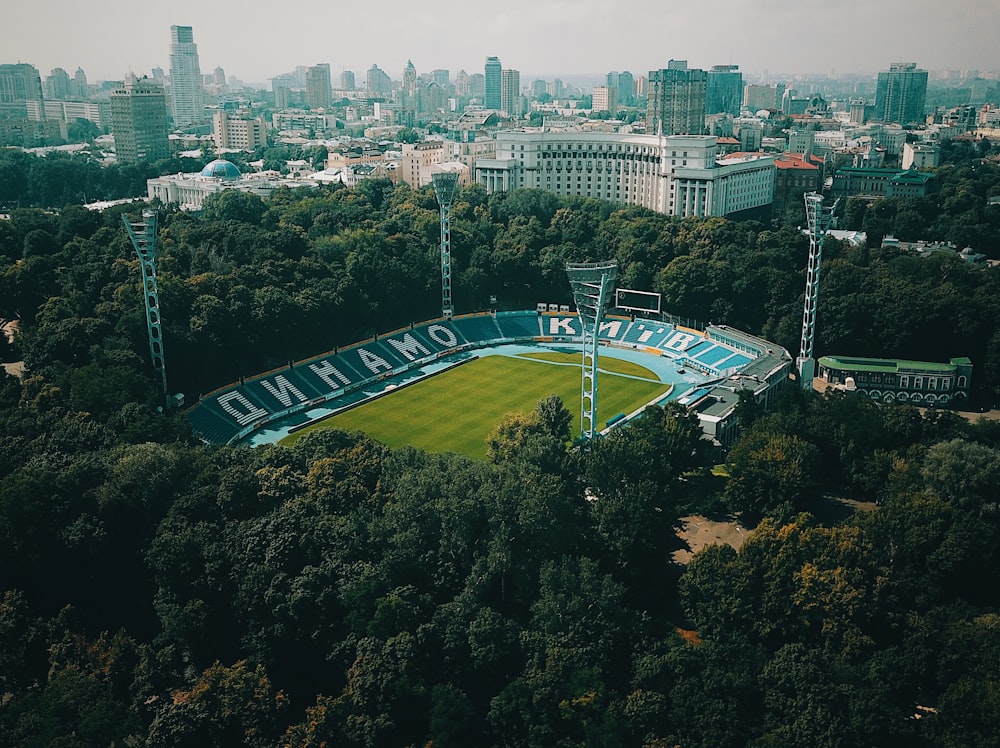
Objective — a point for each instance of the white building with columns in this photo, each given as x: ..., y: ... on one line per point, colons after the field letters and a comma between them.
x: 680, y: 175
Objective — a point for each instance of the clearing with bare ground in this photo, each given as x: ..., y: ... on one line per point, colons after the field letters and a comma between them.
x: 698, y: 532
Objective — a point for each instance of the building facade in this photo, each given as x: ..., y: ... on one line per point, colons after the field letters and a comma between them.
x: 920, y: 383
x: 19, y: 83
x: 605, y: 99
x: 901, y: 94
x: 235, y: 132
x: 418, y: 161
x: 189, y: 191
x: 724, y: 90
x: 319, y: 89
x: 185, y: 77
x: 510, y: 92
x: 682, y: 175
x: 139, y: 121
x: 675, y: 100
x: 493, y: 72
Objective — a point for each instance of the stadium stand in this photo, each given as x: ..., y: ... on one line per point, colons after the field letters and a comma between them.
x: 348, y: 375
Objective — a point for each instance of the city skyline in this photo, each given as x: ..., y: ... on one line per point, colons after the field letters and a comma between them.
x: 551, y: 38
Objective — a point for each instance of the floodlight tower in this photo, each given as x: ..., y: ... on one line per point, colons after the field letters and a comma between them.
x: 143, y: 235
x: 819, y: 221
x: 444, y: 187
x: 593, y: 286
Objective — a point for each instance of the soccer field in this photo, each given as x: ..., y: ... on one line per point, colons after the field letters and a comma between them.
x: 456, y: 410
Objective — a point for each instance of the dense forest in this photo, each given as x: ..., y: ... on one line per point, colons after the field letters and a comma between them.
x: 156, y: 592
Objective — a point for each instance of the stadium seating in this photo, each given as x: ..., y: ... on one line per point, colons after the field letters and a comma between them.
x: 224, y: 414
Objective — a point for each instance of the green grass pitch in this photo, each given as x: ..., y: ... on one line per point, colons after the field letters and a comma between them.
x: 456, y: 410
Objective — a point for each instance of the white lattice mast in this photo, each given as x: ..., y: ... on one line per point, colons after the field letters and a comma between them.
x: 818, y: 219
x: 444, y: 187
x: 143, y: 235
x: 593, y: 286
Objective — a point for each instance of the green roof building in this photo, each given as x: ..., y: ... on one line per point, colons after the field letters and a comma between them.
x: 919, y: 383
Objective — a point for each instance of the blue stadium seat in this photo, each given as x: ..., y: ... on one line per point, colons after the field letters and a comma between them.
x: 519, y: 324
x: 477, y: 329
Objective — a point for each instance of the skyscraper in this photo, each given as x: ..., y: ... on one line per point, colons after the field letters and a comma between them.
x: 724, y: 90
x: 347, y: 80
x: 675, y: 101
x: 901, y: 94
x: 20, y: 83
x: 510, y: 92
x: 494, y: 74
x: 185, y: 77
x: 139, y: 121
x: 318, y: 87
x: 379, y: 82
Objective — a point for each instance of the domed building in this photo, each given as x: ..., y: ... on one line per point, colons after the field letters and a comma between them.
x: 190, y: 190
x: 222, y: 169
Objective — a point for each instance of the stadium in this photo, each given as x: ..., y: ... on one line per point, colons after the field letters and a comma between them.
x: 703, y: 370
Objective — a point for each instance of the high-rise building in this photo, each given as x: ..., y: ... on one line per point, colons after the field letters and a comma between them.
x: 379, y: 82
x: 494, y: 75
x: 239, y: 131
x: 675, y: 101
x: 185, y: 77
x: 139, y: 121
x: 605, y: 99
x: 724, y: 90
x: 80, y: 87
x: 57, y: 85
x: 901, y: 94
x: 441, y: 77
x: 20, y: 83
x: 510, y: 92
x: 319, y: 94
x: 626, y: 88
x: 347, y: 80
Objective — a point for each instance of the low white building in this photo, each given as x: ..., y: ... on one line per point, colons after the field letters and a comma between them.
x: 188, y: 191
x: 681, y: 175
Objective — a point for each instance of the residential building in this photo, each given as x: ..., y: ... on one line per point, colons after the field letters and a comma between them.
x: 347, y: 80
x: 675, y: 102
x: 758, y: 96
x: 139, y: 121
x: 682, y: 175
x: 494, y: 74
x: 901, y: 94
x: 238, y: 131
x: 510, y: 93
x: 795, y: 175
x: 605, y: 99
x: 58, y: 85
x: 724, y: 90
x: 418, y: 161
x: 319, y: 88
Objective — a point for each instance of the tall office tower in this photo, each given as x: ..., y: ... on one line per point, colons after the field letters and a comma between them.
x: 20, y: 83
x: 347, y: 80
x: 675, y: 102
x: 379, y: 82
x: 185, y: 77
x: 510, y: 92
x: 219, y: 77
x: 441, y: 77
x: 611, y: 79
x: 557, y: 89
x: 539, y: 88
x: 901, y: 94
x: 319, y: 93
x: 724, y: 90
x: 80, y: 87
x: 757, y: 96
x: 57, y: 84
x: 494, y: 74
x: 139, y: 121
x: 462, y: 83
x: 626, y: 87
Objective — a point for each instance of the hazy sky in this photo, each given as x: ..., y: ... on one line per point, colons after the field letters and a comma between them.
x: 255, y: 40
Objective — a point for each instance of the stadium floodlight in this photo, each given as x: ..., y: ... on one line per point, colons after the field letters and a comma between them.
x: 445, y: 184
x: 143, y: 235
x: 593, y: 285
x: 819, y: 221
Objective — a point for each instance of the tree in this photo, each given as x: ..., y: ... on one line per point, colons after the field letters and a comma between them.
x: 769, y: 472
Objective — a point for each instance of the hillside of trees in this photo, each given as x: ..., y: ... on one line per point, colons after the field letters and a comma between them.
x: 156, y: 592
